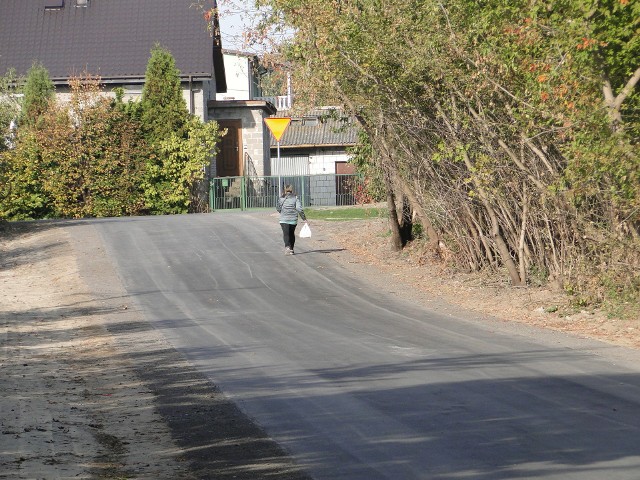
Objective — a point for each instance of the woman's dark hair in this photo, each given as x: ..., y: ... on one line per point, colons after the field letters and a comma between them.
x: 288, y: 189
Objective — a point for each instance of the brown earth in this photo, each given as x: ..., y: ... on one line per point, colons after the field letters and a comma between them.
x: 89, y: 390
x: 433, y: 284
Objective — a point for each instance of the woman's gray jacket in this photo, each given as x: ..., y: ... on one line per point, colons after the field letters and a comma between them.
x: 289, y: 208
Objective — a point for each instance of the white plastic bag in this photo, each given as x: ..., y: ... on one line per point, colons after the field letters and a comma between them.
x: 305, y: 232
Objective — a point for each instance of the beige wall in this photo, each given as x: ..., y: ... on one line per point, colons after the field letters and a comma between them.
x: 202, y: 92
x: 236, y: 68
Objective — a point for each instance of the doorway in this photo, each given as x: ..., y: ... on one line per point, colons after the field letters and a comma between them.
x: 345, y: 183
x: 229, y: 158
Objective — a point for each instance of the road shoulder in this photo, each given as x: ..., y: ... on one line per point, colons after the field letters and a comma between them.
x: 93, y: 390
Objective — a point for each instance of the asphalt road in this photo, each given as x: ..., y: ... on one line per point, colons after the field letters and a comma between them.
x: 360, y: 385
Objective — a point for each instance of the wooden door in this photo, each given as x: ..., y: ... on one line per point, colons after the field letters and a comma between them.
x: 229, y: 158
x: 344, y: 168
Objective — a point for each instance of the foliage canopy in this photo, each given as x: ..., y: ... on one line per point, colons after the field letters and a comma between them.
x: 164, y: 110
x: 38, y: 92
x: 95, y: 156
x: 511, y: 126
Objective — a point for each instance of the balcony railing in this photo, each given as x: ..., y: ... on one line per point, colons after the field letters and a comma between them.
x: 281, y: 102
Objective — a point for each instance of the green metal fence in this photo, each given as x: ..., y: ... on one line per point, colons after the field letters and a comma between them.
x: 253, y: 192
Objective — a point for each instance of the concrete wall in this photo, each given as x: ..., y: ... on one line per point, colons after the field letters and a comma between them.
x: 255, y: 134
x: 324, y: 161
x: 320, y: 161
x: 322, y: 190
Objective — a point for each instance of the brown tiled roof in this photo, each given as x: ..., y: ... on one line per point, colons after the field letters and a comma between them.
x: 110, y: 38
x: 319, y: 129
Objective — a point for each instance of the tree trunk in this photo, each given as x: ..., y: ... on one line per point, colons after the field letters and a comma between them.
x: 521, y: 240
x: 396, y: 236
x: 406, y: 221
x: 432, y: 234
x: 502, y: 246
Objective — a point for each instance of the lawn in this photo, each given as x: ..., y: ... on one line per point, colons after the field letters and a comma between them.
x: 344, y: 213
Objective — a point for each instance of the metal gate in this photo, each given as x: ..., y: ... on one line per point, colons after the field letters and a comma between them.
x: 253, y: 192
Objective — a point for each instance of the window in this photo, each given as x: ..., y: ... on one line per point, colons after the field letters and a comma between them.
x: 53, y: 4
x: 310, y: 121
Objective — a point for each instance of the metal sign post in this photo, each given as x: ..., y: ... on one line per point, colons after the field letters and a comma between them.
x: 277, y: 127
x: 279, y: 170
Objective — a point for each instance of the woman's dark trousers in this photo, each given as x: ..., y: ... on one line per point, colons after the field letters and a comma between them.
x: 288, y: 234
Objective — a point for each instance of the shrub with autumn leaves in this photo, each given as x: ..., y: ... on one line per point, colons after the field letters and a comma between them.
x: 93, y: 156
x: 511, y: 127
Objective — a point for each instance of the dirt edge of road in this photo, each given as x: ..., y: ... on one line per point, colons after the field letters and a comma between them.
x: 92, y: 391
x: 415, y: 277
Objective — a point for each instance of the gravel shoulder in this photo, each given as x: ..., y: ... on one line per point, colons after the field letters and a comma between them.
x: 91, y: 391
x: 413, y: 275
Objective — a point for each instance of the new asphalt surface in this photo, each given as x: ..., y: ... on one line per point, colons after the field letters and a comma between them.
x: 359, y: 384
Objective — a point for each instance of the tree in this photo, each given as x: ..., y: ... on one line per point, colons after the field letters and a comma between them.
x: 93, y: 156
x: 21, y: 192
x: 180, y: 145
x: 164, y: 110
x: 22, y: 196
x: 171, y: 183
x: 38, y: 92
x: 511, y: 127
x: 82, y: 158
x: 95, y: 160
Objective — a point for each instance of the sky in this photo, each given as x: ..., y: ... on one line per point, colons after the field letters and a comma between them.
x: 236, y: 18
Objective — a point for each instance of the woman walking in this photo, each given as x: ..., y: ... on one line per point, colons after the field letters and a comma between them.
x: 289, y: 207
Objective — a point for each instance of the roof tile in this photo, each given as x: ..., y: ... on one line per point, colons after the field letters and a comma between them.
x: 112, y: 38
x: 319, y: 129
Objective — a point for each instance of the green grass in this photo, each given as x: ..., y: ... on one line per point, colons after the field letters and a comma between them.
x: 344, y: 213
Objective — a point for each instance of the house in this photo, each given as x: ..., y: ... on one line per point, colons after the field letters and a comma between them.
x: 313, y: 144
x: 315, y: 147
x: 241, y: 110
x: 312, y: 155
x: 243, y: 72
x: 244, y: 80
x: 316, y: 144
x: 113, y: 39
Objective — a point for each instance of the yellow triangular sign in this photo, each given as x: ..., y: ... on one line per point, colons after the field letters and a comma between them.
x: 277, y: 126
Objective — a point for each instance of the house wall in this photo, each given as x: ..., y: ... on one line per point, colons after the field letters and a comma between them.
x: 242, y: 82
x: 254, y: 132
x: 319, y: 167
x: 322, y: 190
x: 324, y: 161
x: 202, y: 91
x: 321, y: 161
x: 238, y: 81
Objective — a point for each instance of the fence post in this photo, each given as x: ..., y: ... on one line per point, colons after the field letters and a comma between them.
x: 211, y: 182
x: 243, y: 194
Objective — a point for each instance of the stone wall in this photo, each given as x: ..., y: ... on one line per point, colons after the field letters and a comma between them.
x: 322, y: 190
x: 255, y: 135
